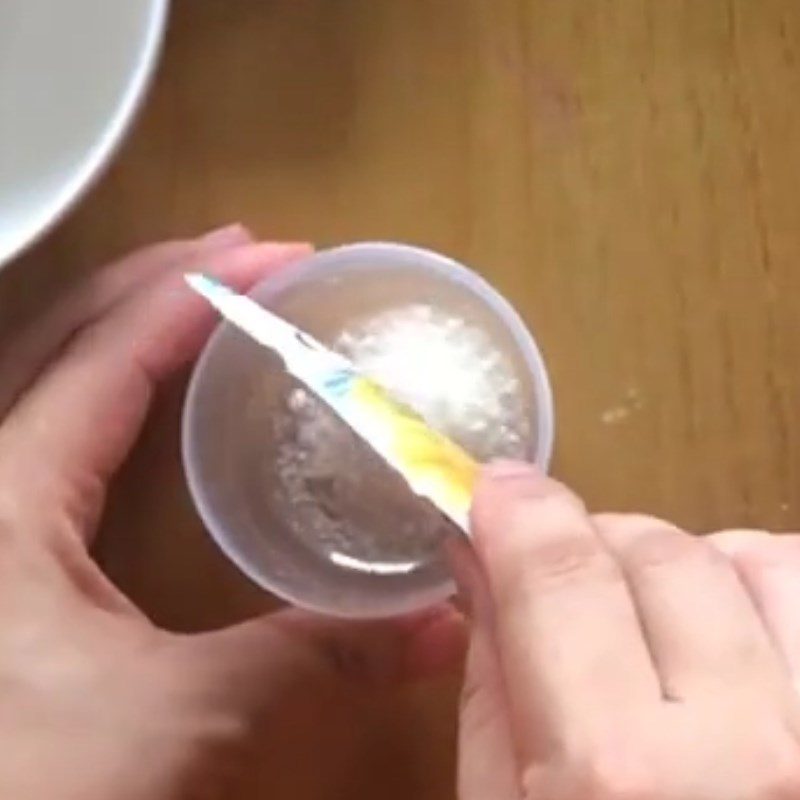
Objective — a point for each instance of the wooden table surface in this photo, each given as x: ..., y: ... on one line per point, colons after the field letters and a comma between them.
x: 626, y: 171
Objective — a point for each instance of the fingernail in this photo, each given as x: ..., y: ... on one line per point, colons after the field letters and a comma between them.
x: 227, y: 235
x: 503, y: 469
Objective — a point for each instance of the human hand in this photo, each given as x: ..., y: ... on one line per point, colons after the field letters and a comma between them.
x: 96, y: 703
x: 616, y: 657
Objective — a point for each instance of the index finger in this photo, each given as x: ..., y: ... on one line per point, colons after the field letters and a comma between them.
x: 569, y: 642
x: 75, y: 425
x: 23, y: 355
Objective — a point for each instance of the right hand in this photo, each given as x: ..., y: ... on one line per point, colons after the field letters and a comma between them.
x: 616, y: 657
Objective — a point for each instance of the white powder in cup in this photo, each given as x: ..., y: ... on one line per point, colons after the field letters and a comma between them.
x: 338, y: 497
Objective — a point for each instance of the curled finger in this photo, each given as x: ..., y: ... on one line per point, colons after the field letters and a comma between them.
x: 22, y: 357
x: 700, y: 623
x: 769, y: 566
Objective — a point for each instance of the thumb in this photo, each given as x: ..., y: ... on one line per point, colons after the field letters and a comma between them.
x: 402, y: 649
x: 293, y: 649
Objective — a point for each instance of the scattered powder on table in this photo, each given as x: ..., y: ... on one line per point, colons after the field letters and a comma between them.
x: 336, y: 495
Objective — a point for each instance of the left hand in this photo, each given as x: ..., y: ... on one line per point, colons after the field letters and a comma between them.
x: 96, y: 703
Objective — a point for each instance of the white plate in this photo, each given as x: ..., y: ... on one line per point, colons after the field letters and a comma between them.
x: 72, y: 73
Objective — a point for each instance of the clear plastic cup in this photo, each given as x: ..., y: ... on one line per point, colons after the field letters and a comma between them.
x: 284, y: 488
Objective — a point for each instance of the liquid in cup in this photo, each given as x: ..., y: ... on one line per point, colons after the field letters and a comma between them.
x: 295, y: 498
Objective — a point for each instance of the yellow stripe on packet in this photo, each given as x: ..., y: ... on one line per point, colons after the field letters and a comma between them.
x: 433, y: 466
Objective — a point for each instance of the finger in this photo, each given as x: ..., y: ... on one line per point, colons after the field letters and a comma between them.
x: 25, y: 355
x: 569, y: 642
x: 702, y: 627
x: 63, y: 440
x: 769, y: 566
x: 410, y: 648
x: 486, y: 762
x: 296, y: 647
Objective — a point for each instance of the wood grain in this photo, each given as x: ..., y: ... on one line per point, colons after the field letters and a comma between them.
x: 625, y: 170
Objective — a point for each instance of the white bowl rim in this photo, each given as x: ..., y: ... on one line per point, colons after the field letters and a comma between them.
x: 107, y: 143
